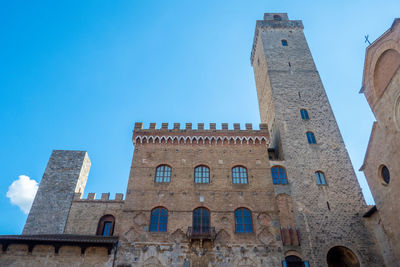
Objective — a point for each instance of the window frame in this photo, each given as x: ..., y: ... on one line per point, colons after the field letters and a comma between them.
x: 160, y: 208
x: 164, y: 176
x: 279, y: 179
x: 239, y: 178
x: 202, y: 178
x: 311, y: 138
x: 107, y: 218
x: 243, y: 224
x: 201, y: 226
x: 318, y: 178
x: 304, y: 114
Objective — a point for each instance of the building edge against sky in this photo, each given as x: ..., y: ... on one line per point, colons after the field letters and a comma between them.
x: 282, y: 195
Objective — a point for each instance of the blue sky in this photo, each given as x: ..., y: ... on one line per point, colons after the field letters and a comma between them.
x: 78, y: 74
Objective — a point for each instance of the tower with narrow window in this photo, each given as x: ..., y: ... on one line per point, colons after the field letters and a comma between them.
x: 305, y: 140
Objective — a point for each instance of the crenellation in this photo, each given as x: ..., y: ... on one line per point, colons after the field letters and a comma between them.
x: 213, y: 126
x: 249, y: 126
x: 177, y: 126
x: 164, y: 126
x: 152, y: 126
x: 188, y: 126
x: 200, y: 126
x: 138, y: 125
x: 236, y: 126
x: 105, y: 197
x: 224, y: 126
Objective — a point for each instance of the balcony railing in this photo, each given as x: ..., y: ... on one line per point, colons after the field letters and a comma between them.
x: 201, y: 233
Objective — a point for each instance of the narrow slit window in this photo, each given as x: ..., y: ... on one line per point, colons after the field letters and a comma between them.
x: 320, y: 178
x: 304, y: 114
x: 311, y: 138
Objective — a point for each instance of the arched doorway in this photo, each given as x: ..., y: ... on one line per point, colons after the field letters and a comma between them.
x: 342, y: 257
x: 293, y: 261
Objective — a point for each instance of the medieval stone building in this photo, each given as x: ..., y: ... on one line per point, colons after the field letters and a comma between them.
x: 381, y: 87
x: 284, y: 194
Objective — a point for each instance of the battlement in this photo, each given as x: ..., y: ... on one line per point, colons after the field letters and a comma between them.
x: 105, y: 197
x: 278, y: 21
x: 212, y: 135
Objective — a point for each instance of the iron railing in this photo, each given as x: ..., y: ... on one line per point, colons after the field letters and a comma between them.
x: 201, y: 233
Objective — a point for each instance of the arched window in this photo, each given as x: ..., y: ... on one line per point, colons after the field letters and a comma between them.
x: 202, y: 175
x: 106, y: 225
x: 277, y: 18
x: 284, y: 42
x: 320, y: 177
x: 163, y: 174
x: 279, y: 175
x: 239, y: 175
x: 304, y: 114
x: 159, y: 220
x: 201, y: 221
x: 311, y: 138
x: 243, y: 221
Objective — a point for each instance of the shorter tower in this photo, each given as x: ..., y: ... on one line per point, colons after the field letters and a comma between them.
x: 381, y: 87
x: 66, y: 173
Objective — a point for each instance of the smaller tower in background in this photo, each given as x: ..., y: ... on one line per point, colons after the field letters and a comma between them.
x: 66, y: 174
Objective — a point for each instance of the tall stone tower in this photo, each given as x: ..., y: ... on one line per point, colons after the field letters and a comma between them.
x: 306, y: 141
x: 65, y: 174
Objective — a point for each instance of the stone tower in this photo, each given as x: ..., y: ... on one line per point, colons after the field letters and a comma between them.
x: 328, y: 213
x: 66, y: 174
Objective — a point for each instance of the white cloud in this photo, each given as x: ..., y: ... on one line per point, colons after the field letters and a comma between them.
x: 22, y: 192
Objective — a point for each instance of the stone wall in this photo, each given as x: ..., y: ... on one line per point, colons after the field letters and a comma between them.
x: 44, y: 255
x: 65, y: 174
x: 327, y: 215
x: 85, y: 214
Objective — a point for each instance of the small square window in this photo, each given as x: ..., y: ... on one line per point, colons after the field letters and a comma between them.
x: 284, y: 43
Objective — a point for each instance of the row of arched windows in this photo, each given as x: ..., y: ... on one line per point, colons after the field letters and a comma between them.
x: 201, y: 220
x: 201, y: 174
x: 239, y: 175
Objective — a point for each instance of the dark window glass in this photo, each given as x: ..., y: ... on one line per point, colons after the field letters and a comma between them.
x: 201, y: 220
x: 320, y: 177
x: 284, y: 43
x: 304, y: 114
x: 278, y: 175
x: 163, y: 174
x: 105, y: 226
x: 385, y: 174
x: 311, y: 138
x: 277, y: 18
x: 202, y: 175
x: 239, y: 175
x: 159, y: 220
x: 243, y: 221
